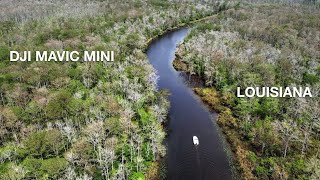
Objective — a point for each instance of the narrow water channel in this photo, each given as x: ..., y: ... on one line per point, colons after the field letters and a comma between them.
x: 188, y: 117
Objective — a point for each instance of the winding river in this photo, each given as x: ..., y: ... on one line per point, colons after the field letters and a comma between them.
x: 188, y: 117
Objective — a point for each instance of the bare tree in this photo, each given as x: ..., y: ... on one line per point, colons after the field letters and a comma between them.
x: 105, y: 158
x: 288, y: 132
x: 94, y: 133
x: 313, y: 167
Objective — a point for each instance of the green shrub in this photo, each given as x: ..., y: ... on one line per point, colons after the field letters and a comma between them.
x: 261, y: 171
x: 59, y: 106
x: 44, y: 144
x: 4, y: 167
x: 4, y: 53
x: 137, y: 176
x: 48, y: 168
x: 310, y: 78
x: 297, y: 168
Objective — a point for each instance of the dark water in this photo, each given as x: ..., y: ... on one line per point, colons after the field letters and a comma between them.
x: 188, y: 117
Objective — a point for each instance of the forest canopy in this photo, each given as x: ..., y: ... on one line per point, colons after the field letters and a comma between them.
x: 84, y: 120
x: 262, y: 45
x: 100, y: 120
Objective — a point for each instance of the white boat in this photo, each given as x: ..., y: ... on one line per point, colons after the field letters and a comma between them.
x: 195, y: 140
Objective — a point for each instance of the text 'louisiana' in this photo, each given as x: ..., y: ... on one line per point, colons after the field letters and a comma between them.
x: 274, y: 92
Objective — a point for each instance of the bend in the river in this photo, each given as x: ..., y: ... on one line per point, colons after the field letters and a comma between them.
x: 188, y: 117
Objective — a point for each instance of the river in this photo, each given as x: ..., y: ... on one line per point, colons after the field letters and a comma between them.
x: 188, y: 117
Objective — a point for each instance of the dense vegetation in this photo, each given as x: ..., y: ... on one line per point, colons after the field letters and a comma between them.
x: 262, y: 45
x: 84, y: 120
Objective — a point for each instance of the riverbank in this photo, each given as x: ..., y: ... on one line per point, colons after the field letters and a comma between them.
x: 212, y: 98
x: 181, y: 25
x: 121, y: 135
x: 228, y: 124
x: 220, y: 6
x: 271, y: 138
x: 158, y: 168
x: 187, y: 117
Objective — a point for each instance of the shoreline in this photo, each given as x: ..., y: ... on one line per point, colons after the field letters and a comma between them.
x: 170, y: 29
x: 211, y: 98
x: 160, y: 163
x: 217, y: 138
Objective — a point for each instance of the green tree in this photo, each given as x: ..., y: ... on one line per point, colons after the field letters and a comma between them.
x: 43, y: 169
x: 45, y: 144
x: 59, y: 106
